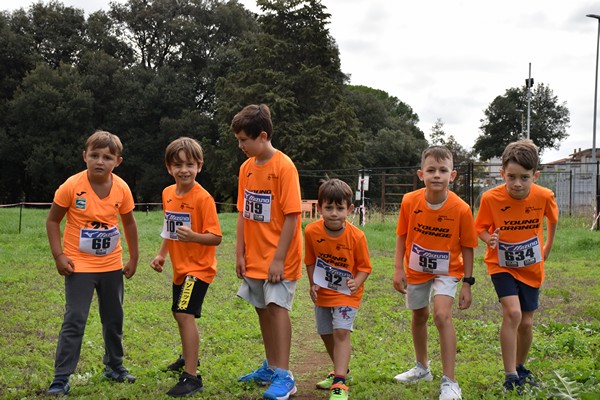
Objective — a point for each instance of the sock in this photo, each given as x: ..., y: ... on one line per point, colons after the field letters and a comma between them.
x: 339, y: 379
x: 508, y: 375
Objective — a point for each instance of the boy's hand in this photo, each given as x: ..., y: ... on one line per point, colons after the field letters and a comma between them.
x: 351, y: 285
x: 240, y: 267
x: 494, y: 237
x: 158, y: 263
x: 400, y: 280
x: 313, y: 292
x: 465, y: 299
x: 130, y: 269
x: 185, y: 234
x: 276, y: 271
x: 547, y: 252
x: 64, y: 265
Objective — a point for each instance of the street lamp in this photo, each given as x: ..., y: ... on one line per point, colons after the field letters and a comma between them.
x: 595, y: 90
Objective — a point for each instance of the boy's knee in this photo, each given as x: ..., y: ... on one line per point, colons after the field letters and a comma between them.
x: 442, y: 318
x: 421, y: 316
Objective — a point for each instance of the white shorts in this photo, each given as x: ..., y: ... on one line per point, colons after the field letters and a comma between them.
x: 260, y: 292
x: 419, y: 296
x: 330, y: 318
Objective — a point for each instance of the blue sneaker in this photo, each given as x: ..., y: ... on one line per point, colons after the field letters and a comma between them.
x: 282, y: 386
x: 262, y: 376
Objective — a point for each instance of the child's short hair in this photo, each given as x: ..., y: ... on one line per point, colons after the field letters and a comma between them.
x: 102, y: 139
x: 523, y: 152
x: 334, y: 191
x: 190, y: 147
x: 439, y: 153
x: 253, y: 119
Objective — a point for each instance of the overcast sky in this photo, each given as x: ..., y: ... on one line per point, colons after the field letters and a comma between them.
x: 449, y: 59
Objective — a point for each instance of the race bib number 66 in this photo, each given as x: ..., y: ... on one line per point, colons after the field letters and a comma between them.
x: 98, y: 242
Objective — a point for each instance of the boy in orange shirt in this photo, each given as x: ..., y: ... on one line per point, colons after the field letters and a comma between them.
x: 434, y: 251
x: 510, y: 222
x: 337, y: 263
x: 268, y: 244
x: 190, y: 235
x: 92, y: 201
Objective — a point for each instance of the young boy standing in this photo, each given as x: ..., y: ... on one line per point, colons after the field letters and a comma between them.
x: 268, y: 244
x: 191, y: 232
x: 434, y: 251
x: 92, y: 201
x: 337, y: 263
x: 510, y: 222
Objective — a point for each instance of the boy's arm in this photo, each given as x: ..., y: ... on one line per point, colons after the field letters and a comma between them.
x: 64, y: 264
x: 491, y: 239
x: 313, y: 288
x: 399, y: 274
x: 131, y: 235
x: 550, y: 232
x: 465, y: 298
x: 359, y: 279
x: 159, y: 261
x: 276, y: 272
x: 185, y: 234
x: 240, y: 258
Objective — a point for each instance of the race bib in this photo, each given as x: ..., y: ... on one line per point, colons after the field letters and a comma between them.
x: 429, y: 261
x: 330, y: 277
x: 257, y: 207
x: 99, y: 242
x: 518, y: 255
x: 174, y: 220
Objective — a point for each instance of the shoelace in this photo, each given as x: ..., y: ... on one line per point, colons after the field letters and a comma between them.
x: 337, y: 390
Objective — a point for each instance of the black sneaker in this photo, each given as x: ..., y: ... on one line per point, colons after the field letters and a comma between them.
x: 187, y: 385
x: 178, y: 365
x: 514, y: 383
x: 118, y: 374
x: 526, y: 375
x: 59, y: 386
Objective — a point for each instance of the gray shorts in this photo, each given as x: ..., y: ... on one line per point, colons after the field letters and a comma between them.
x: 419, y: 296
x: 330, y: 318
x: 260, y: 292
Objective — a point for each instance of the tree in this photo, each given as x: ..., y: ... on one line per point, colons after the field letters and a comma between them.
x: 460, y: 155
x: 503, y: 122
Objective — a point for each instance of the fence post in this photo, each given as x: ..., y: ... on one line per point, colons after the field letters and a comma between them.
x: 20, y: 215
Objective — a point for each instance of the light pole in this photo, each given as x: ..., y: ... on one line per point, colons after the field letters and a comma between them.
x: 529, y: 84
x: 595, y: 90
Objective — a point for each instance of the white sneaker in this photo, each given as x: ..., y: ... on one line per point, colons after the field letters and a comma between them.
x: 417, y: 373
x: 450, y: 390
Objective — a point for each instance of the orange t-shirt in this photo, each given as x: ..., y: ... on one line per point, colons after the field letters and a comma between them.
x: 347, y: 252
x: 197, y: 210
x: 435, y: 238
x: 521, y: 238
x: 266, y: 194
x: 92, y: 238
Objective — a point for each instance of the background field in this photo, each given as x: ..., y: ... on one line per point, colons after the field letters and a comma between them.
x: 565, y: 353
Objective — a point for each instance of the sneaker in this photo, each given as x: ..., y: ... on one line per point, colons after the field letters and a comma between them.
x: 262, y: 376
x: 282, y: 385
x: 339, y: 392
x: 178, y: 365
x: 326, y: 383
x: 526, y: 375
x: 514, y: 383
x: 187, y: 385
x: 416, y: 373
x: 118, y: 374
x: 59, y: 386
x: 449, y: 390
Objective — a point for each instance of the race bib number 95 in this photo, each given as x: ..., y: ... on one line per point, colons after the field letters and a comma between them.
x: 257, y: 207
x: 330, y: 277
x: 98, y: 242
x: 173, y: 220
x: 518, y: 255
x: 429, y: 261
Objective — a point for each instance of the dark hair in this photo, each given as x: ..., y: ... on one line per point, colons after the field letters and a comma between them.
x: 191, y: 148
x: 523, y: 152
x: 334, y: 191
x: 440, y: 153
x: 102, y: 139
x: 253, y: 119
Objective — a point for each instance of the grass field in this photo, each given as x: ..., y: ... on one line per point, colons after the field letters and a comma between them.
x: 565, y: 355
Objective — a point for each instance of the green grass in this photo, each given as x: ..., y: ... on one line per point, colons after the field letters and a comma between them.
x: 565, y: 354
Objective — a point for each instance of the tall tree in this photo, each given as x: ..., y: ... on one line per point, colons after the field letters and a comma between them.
x: 438, y: 137
x: 503, y: 122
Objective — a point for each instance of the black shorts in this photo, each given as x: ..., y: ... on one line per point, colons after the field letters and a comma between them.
x: 189, y: 296
x: 506, y: 285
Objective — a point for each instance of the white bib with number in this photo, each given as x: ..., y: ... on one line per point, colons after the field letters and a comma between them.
x: 257, y: 207
x: 518, y: 255
x: 174, y: 220
x: 429, y: 261
x: 330, y: 277
x: 98, y: 242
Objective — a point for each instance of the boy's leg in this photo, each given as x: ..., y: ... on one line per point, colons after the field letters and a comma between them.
x: 79, y: 289
x: 342, y: 350
x: 110, y: 305
x: 442, y: 316
x: 276, y: 329
x: 419, y: 334
x: 190, y: 341
x: 511, y: 319
x: 524, y: 336
x: 329, y: 344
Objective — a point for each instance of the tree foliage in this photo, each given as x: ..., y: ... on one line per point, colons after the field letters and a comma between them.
x: 505, y: 117
x: 460, y: 155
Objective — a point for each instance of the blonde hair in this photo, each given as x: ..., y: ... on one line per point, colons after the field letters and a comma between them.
x: 440, y: 153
